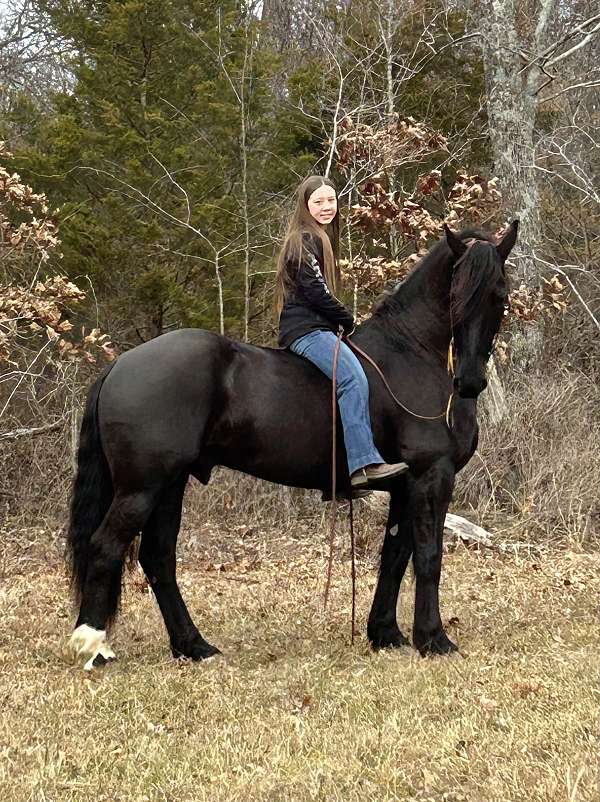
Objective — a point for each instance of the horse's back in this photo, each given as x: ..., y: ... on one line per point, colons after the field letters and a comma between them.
x: 173, y: 352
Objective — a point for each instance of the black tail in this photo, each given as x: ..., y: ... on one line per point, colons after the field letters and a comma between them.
x: 92, y: 489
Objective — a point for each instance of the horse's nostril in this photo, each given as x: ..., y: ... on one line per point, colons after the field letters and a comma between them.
x: 470, y: 387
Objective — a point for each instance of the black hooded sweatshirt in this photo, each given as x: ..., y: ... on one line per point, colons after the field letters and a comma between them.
x: 310, y: 306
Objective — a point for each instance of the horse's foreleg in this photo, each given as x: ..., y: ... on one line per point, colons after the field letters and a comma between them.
x: 382, y: 628
x: 157, y: 558
x: 104, y: 565
x: 431, y: 494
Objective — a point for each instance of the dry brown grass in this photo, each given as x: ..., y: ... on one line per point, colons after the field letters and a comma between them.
x: 537, y: 472
x: 292, y: 711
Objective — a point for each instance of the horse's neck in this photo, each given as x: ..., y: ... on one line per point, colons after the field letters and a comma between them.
x: 422, y: 304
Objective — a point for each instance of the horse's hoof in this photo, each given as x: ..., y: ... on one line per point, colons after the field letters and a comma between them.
x: 205, y: 652
x: 391, y: 638
x: 101, y: 659
x: 85, y: 641
x: 197, y: 650
x: 438, y: 643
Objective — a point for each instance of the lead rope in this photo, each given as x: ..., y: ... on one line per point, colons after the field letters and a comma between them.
x: 336, y: 354
x: 445, y: 415
x: 450, y: 361
x: 352, y: 570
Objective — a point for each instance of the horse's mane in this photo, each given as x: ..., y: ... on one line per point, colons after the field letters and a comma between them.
x: 472, y: 283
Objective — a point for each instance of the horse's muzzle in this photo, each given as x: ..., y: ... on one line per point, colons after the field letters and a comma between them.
x: 470, y: 386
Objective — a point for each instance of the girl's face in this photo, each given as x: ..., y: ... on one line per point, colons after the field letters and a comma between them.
x: 322, y: 204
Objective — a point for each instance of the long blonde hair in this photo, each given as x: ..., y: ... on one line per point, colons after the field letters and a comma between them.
x: 302, y: 222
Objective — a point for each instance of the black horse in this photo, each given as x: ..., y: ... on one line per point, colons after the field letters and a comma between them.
x: 178, y: 405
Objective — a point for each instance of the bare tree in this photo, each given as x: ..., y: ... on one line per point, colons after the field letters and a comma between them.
x: 241, y: 79
x: 33, y: 56
x: 524, y: 52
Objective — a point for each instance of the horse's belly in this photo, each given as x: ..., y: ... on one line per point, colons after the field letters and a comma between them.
x: 277, y: 429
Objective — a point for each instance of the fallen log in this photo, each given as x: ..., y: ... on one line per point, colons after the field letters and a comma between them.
x: 468, y: 532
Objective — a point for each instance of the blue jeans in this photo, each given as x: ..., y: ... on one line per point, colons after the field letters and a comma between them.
x: 352, y: 390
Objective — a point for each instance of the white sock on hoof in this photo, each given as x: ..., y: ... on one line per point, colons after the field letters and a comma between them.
x: 87, y: 640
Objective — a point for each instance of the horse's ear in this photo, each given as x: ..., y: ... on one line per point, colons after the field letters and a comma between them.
x: 507, y: 243
x: 456, y: 245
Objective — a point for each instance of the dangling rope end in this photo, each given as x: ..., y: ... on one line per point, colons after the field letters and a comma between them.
x: 449, y: 411
x: 353, y: 571
x: 336, y: 355
x: 451, y: 357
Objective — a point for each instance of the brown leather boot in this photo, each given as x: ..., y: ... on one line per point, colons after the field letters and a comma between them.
x: 373, y: 475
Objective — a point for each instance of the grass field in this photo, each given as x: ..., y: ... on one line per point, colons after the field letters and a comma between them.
x: 292, y: 711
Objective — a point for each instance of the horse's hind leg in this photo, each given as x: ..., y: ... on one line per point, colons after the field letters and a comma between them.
x: 157, y: 558
x: 101, y: 586
x: 382, y: 629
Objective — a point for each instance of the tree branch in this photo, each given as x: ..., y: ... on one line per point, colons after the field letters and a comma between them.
x: 16, y: 433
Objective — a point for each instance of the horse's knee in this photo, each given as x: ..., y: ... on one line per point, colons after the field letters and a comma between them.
x: 106, y: 552
x: 157, y: 563
x: 109, y: 543
x: 124, y: 520
x: 442, y: 477
x: 428, y: 563
x: 130, y: 513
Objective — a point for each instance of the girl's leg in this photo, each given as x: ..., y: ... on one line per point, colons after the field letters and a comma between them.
x: 352, y: 393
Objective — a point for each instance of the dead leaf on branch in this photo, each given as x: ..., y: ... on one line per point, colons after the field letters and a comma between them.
x: 429, y: 183
x: 528, y: 304
x: 43, y: 308
x: 387, y: 146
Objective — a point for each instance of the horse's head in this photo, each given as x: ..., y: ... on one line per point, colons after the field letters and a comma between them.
x: 478, y: 298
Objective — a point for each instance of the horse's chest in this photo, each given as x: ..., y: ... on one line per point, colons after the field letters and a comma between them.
x: 409, y: 436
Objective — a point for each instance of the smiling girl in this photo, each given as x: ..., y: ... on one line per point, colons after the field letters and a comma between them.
x: 308, y: 277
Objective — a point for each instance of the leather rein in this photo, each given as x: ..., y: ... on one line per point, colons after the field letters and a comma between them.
x: 450, y: 363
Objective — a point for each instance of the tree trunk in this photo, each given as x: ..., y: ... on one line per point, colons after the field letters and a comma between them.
x: 219, y: 279
x: 244, y: 158
x: 387, y: 34
x: 511, y: 88
x: 494, y: 398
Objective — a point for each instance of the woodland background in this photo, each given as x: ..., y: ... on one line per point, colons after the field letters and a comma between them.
x: 151, y: 153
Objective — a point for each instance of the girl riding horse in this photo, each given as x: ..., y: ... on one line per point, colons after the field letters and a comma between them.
x: 310, y: 315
